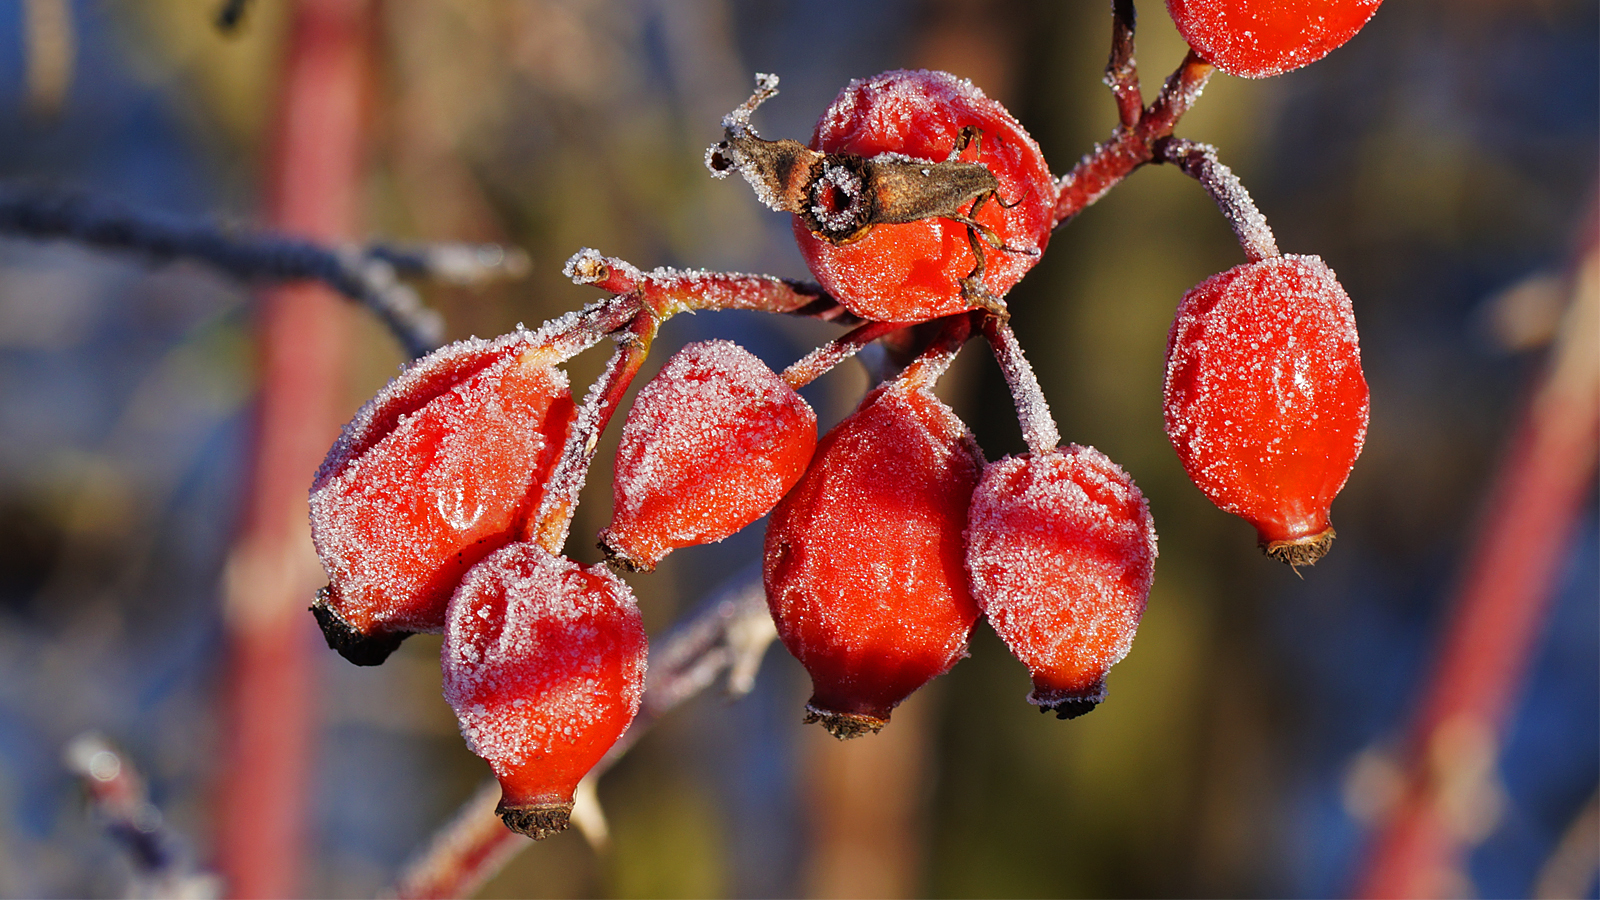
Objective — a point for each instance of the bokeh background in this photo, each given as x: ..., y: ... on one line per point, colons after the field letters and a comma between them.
x: 1443, y: 162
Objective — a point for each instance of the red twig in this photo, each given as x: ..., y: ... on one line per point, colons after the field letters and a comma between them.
x: 549, y: 529
x: 271, y: 572
x: 1130, y: 146
x: 813, y: 365
x: 1499, y: 611
x: 1122, y: 71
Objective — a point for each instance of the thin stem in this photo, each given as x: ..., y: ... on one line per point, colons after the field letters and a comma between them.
x: 1199, y: 161
x: 667, y: 292
x: 942, y: 351
x: 549, y: 529
x: 813, y: 365
x: 1180, y: 91
x: 1130, y: 147
x: 727, y: 636
x: 1122, y: 72
x: 1033, y: 411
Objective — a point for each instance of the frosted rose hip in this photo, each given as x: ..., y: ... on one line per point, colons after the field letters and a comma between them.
x: 1061, y: 551
x: 910, y: 272
x: 711, y: 443
x: 445, y: 465
x: 1264, y: 398
x: 864, y: 558
x: 544, y: 665
x: 1260, y: 38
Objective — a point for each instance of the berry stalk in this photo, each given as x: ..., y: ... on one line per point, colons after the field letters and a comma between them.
x: 554, y: 521
x: 1033, y: 411
x: 1122, y: 71
x: 1199, y: 161
x: 818, y: 362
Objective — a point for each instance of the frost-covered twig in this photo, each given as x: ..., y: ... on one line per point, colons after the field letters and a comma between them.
x: 727, y: 636
x: 367, y: 275
x: 1199, y: 161
x: 161, y: 864
x: 1131, y: 145
x: 1039, y: 429
x: 1122, y: 71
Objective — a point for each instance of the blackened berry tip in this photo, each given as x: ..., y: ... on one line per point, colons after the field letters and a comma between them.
x: 618, y: 559
x: 350, y: 642
x: 538, y: 820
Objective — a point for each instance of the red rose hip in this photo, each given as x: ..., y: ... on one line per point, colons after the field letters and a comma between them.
x: 544, y: 665
x: 1260, y: 38
x: 1264, y: 399
x: 912, y: 271
x: 445, y: 465
x: 1061, y: 551
x: 711, y: 443
x: 864, y: 558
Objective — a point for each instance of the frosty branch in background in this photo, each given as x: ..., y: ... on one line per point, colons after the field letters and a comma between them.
x: 367, y: 275
x: 118, y: 799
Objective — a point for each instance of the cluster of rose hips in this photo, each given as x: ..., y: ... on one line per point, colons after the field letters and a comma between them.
x: 918, y: 204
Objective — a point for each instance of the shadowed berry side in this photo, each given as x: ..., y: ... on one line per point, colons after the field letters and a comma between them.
x: 864, y: 558
x: 1264, y: 399
x: 1061, y: 550
x: 544, y: 665
x: 441, y: 468
x: 711, y: 443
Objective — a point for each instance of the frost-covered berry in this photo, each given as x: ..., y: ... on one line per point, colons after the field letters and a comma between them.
x: 913, y: 271
x: 864, y: 558
x: 1265, y: 401
x: 1260, y: 38
x: 1061, y: 550
x: 544, y: 664
x: 445, y: 465
x: 711, y: 443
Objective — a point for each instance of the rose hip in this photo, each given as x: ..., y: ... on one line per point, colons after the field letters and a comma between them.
x: 864, y: 558
x: 1260, y: 38
x: 544, y: 664
x: 1265, y: 401
x: 442, y: 467
x: 1061, y: 551
x: 711, y: 443
x: 913, y: 271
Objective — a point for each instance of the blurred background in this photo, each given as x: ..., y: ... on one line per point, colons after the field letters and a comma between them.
x: 1443, y: 163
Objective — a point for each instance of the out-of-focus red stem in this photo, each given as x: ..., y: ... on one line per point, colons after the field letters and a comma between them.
x: 312, y: 188
x: 1500, y: 609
